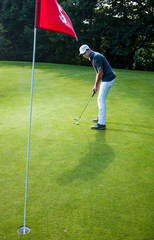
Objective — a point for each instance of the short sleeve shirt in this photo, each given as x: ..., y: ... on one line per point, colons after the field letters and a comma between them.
x: 100, y: 62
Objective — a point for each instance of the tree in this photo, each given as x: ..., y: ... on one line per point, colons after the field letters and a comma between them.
x: 127, y: 27
x: 118, y: 29
x: 5, y: 44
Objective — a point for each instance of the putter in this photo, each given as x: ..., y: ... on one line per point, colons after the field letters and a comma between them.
x: 84, y: 108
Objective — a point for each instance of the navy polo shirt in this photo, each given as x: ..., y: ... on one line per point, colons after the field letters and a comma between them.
x: 100, y: 62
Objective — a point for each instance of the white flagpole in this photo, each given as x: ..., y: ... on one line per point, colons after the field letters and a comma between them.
x: 24, y: 229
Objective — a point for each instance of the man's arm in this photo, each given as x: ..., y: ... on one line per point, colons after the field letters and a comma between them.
x: 99, y: 76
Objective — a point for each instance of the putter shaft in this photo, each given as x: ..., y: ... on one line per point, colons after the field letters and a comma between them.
x: 84, y: 108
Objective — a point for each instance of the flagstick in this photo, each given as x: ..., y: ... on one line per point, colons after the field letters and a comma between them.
x: 24, y: 229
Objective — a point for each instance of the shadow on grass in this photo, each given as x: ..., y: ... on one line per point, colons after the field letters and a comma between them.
x: 100, y: 155
x: 134, y: 132
x: 132, y: 125
x: 25, y: 236
x: 135, y: 129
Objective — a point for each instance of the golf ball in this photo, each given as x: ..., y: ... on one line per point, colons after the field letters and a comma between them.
x: 77, y: 123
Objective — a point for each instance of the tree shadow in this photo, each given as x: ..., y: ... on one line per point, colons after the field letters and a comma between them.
x: 100, y: 155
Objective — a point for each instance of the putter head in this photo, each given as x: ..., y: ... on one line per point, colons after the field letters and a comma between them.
x: 76, y: 119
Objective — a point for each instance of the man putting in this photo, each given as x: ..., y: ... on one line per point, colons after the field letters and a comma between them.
x: 105, y: 77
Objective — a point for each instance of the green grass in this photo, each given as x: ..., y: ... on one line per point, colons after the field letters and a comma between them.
x: 83, y: 184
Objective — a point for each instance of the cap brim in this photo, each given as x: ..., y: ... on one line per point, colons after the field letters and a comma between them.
x: 82, y: 53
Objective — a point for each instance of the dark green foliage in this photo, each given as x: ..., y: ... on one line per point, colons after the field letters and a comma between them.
x: 127, y: 27
x: 4, y: 43
x: 118, y: 29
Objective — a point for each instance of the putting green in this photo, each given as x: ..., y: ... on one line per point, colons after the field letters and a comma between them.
x: 83, y: 184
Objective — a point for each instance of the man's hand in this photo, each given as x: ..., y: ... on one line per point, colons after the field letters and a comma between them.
x: 95, y: 89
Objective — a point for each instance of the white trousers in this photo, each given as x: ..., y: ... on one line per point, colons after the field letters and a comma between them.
x: 103, y: 91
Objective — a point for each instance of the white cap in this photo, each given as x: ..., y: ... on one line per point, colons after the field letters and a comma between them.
x: 83, y: 49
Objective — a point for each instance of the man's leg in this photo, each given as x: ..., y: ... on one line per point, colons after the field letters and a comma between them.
x: 103, y: 91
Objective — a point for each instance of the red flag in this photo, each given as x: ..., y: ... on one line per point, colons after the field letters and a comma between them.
x: 49, y: 15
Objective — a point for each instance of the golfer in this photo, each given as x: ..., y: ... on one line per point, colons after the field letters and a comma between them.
x: 105, y: 77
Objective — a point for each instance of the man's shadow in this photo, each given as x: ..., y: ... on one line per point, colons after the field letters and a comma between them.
x: 95, y: 162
